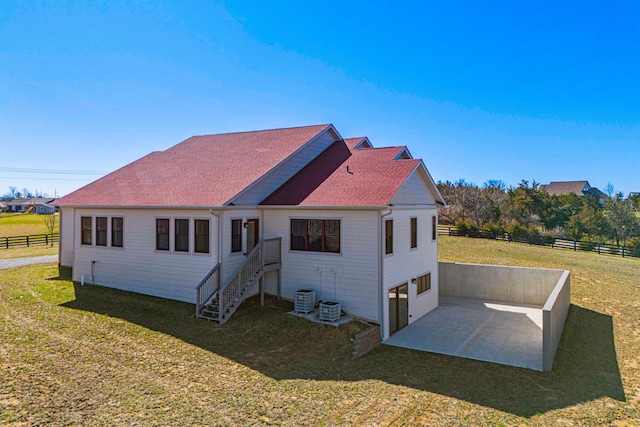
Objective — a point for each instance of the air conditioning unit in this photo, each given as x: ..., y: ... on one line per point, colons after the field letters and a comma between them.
x: 329, y: 311
x: 305, y: 301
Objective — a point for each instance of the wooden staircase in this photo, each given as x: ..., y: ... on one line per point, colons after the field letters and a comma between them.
x: 212, y: 311
x: 218, y: 303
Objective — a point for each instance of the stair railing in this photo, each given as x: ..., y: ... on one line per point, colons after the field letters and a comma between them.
x: 207, y: 288
x: 230, y: 294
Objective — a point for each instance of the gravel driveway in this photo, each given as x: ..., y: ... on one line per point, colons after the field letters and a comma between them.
x: 17, y: 262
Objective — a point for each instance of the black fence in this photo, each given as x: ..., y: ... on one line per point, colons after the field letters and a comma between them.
x: 552, y: 242
x: 32, y: 240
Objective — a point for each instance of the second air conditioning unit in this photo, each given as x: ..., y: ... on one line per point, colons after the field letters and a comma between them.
x: 329, y: 311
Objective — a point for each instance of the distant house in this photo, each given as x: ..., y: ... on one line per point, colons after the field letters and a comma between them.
x: 17, y: 205
x: 579, y: 188
x: 3, y: 206
x: 287, y: 209
x: 38, y: 205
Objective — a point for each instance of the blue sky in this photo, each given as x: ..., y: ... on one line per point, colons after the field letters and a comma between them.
x: 506, y: 90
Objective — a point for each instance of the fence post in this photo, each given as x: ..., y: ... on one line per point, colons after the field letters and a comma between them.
x: 27, y: 241
x: 575, y: 246
x: 46, y: 239
x: 622, y: 251
x: 6, y: 242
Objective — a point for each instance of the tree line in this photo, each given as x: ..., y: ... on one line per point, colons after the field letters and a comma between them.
x: 14, y: 193
x: 527, y: 210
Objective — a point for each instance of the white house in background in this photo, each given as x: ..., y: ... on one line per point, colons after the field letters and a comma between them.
x: 290, y: 209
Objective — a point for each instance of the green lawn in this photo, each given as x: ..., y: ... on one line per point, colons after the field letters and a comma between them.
x: 27, y: 251
x: 88, y: 355
x: 21, y: 224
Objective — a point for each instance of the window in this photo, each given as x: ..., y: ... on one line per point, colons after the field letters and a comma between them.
x: 414, y: 233
x: 388, y: 237
x: 201, y: 244
x: 87, y: 232
x: 117, y: 232
x: 101, y: 231
x: 182, y: 235
x: 424, y: 283
x: 236, y: 235
x: 315, y: 235
x: 162, y: 234
x: 434, y: 228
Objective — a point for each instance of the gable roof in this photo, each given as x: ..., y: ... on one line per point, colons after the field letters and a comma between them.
x: 344, y: 177
x: 559, y: 188
x: 579, y: 188
x: 201, y: 171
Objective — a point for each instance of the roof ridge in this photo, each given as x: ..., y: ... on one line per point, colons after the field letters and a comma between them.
x: 264, y: 130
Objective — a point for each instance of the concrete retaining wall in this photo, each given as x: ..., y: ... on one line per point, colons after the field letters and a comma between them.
x: 519, y: 285
x: 548, y: 289
x: 554, y: 314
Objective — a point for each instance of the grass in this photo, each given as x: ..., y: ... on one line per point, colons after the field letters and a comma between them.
x: 97, y: 356
x: 21, y: 224
x: 28, y: 251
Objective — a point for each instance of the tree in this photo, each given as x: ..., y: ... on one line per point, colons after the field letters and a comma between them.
x: 525, y: 204
x: 609, y: 190
x: 622, y: 218
x: 12, y: 190
x: 50, y: 223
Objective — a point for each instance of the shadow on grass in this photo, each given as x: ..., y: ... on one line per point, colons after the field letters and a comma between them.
x: 285, y: 347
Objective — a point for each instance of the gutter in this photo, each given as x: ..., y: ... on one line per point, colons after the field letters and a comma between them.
x: 381, y: 270
x: 219, y: 239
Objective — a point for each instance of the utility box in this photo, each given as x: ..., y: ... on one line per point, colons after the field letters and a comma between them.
x: 329, y: 311
x: 305, y: 301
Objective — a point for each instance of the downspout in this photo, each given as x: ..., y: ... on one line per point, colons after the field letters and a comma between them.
x: 219, y: 240
x: 381, y: 269
x: 59, y: 237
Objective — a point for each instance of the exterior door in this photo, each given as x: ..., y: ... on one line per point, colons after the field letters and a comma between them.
x: 398, y: 308
x: 253, y: 233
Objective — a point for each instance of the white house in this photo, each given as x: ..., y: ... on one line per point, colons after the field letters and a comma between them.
x: 291, y: 209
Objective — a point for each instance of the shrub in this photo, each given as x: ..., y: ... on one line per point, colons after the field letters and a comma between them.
x: 518, y: 232
x: 467, y: 228
x: 494, y: 229
x: 633, y: 247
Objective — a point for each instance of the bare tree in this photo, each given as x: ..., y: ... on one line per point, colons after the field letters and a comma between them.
x: 12, y: 190
x: 50, y: 222
x: 609, y: 190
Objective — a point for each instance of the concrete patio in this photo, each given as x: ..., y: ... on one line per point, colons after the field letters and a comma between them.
x: 499, y: 332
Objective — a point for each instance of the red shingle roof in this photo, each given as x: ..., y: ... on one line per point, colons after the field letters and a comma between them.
x: 200, y: 171
x: 344, y: 177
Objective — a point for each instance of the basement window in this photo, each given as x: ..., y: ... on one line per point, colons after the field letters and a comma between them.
x: 424, y: 283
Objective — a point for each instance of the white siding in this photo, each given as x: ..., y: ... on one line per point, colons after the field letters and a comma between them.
x: 414, y: 191
x: 66, y: 236
x: 232, y: 261
x: 283, y: 172
x: 138, y: 267
x: 406, y: 263
x: 350, y: 278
